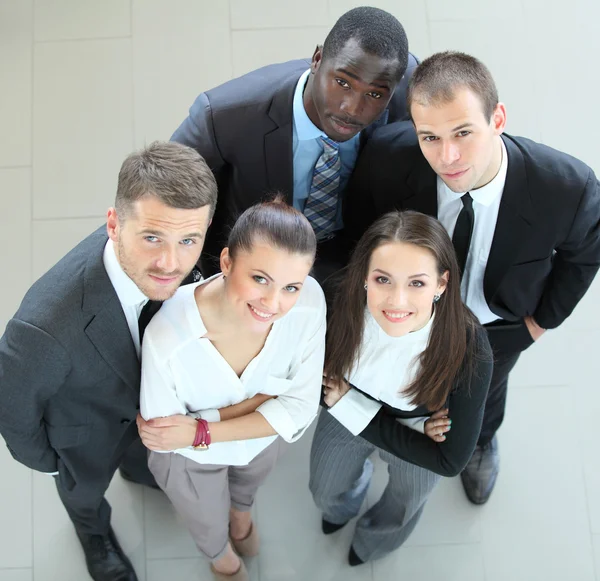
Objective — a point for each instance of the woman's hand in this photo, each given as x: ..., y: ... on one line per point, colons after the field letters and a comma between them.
x: 165, y: 434
x: 334, y: 390
x: 437, y: 425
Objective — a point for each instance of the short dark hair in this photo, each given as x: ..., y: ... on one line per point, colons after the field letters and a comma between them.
x: 449, y: 354
x: 377, y: 32
x: 276, y: 223
x: 175, y: 174
x: 438, y: 77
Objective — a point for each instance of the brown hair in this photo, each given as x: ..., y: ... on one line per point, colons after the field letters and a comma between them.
x: 438, y: 77
x: 176, y: 174
x: 441, y: 362
x: 276, y: 223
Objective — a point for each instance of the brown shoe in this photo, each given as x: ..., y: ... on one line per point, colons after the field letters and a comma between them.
x: 240, y: 575
x: 248, y: 546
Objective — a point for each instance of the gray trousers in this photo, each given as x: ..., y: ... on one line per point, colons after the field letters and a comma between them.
x: 340, y: 473
x: 202, y: 494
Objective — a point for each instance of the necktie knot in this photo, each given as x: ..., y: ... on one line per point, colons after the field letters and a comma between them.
x: 467, y: 200
x: 329, y: 144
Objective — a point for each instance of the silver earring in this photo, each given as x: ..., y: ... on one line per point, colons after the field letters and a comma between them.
x: 224, y: 277
x: 365, y: 286
x: 436, y: 297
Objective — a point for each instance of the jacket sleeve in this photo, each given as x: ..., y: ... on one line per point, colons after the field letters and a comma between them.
x: 33, y: 367
x: 466, y: 405
x: 198, y: 131
x: 575, y: 263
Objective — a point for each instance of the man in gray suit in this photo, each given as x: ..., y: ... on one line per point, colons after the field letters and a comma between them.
x: 264, y: 132
x: 69, y: 359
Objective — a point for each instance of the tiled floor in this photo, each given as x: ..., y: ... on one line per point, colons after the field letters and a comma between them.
x: 85, y: 81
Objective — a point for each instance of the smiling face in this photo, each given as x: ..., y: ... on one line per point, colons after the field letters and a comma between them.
x: 263, y: 284
x: 347, y: 92
x: 460, y: 144
x: 402, y: 281
x: 157, y: 245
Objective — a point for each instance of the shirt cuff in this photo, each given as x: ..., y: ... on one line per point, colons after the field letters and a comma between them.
x: 417, y: 424
x: 281, y: 420
x: 355, y: 411
x: 208, y: 415
x: 50, y: 473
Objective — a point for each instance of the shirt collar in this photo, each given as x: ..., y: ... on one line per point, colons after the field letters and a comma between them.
x: 488, y: 193
x: 305, y: 128
x: 128, y: 292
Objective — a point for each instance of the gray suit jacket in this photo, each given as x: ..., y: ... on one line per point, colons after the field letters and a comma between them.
x: 243, y: 129
x: 69, y: 372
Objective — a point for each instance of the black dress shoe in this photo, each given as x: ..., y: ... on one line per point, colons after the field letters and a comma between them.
x: 129, y: 478
x: 353, y: 558
x: 479, y: 476
x: 328, y: 527
x: 105, y: 559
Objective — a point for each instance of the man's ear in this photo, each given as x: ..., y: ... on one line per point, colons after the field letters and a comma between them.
x: 317, y: 57
x: 112, y: 224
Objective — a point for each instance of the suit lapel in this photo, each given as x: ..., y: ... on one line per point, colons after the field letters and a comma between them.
x: 422, y: 189
x: 514, y: 221
x: 278, y: 143
x: 108, y: 329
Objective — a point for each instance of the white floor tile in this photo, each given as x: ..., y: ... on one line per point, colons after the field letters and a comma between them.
x: 166, y: 536
x: 535, y: 526
x: 15, y: 513
x: 450, y: 563
x: 16, y: 26
x: 180, y: 48
x: 52, y: 239
x: 16, y: 574
x: 252, y: 49
x: 275, y: 14
x: 83, y: 125
x: 79, y: 19
x: 412, y: 16
x: 57, y: 553
x: 484, y: 10
x: 15, y: 238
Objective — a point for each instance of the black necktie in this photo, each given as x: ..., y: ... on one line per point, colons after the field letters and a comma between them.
x: 463, y: 232
x: 147, y: 312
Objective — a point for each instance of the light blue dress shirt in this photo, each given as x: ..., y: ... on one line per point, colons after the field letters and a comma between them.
x: 308, y: 147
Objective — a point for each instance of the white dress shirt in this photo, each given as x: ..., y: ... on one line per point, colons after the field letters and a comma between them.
x: 486, y: 204
x: 132, y: 299
x: 183, y: 372
x: 386, y: 366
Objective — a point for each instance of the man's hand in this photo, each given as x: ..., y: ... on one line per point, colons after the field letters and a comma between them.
x: 534, y: 329
x: 165, y: 434
x: 334, y: 390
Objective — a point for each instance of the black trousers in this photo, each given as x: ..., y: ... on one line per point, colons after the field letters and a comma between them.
x: 83, y: 494
x: 508, y: 341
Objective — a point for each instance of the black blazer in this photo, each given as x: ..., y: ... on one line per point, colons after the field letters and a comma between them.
x: 244, y: 131
x: 69, y: 372
x: 546, y: 246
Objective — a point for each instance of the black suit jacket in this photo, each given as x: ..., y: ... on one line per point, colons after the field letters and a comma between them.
x: 69, y: 372
x: 243, y: 129
x: 546, y: 246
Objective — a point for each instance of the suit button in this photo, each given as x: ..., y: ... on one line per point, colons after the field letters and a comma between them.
x: 125, y: 421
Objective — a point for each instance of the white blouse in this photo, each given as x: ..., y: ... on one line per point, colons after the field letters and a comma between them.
x: 386, y: 365
x: 183, y: 373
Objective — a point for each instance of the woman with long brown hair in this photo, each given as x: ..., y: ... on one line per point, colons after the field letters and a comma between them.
x: 403, y: 355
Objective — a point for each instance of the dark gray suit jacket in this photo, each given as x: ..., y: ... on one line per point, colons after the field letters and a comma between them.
x: 69, y: 372
x: 546, y: 246
x: 243, y: 129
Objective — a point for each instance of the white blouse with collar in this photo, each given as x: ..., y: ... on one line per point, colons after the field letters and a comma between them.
x: 386, y: 365
x: 183, y: 373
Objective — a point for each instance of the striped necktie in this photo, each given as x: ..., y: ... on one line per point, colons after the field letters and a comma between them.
x: 321, y: 204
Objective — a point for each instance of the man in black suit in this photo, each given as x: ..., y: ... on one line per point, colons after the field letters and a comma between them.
x: 262, y: 133
x: 69, y: 359
x: 524, y: 218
